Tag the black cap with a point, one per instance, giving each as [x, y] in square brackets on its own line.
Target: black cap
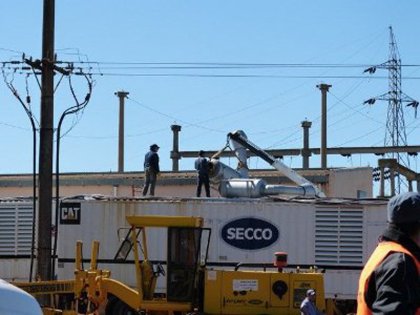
[404, 208]
[201, 153]
[154, 146]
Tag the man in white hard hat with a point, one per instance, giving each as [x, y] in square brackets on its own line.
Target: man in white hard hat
[308, 307]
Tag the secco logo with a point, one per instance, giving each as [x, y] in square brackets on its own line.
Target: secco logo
[250, 233]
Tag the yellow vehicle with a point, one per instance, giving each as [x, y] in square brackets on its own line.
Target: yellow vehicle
[191, 287]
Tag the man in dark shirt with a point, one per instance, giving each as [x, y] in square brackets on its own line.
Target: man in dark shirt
[151, 169]
[202, 166]
[390, 283]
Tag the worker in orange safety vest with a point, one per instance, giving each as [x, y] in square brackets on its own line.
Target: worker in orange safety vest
[390, 280]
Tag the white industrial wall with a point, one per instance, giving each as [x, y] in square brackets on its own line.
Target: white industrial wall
[15, 240]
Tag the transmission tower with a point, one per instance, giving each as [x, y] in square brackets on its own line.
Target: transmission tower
[395, 133]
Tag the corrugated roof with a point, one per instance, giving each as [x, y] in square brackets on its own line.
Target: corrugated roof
[285, 199]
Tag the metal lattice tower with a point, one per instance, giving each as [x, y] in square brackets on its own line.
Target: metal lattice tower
[395, 134]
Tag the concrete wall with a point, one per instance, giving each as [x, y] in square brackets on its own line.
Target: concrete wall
[334, 182]
[351, 182]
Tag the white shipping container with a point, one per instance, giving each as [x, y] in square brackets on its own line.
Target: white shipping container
[15, 239]
[332, 234]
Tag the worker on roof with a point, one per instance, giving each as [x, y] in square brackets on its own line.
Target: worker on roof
[389, 282]
[202, 166]
[151, 169]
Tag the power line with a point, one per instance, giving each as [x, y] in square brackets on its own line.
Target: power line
[174, 118]
[229, 64]
[14, 126]
[360, 137]
[126, 69]
[233, 75]
[355, 110]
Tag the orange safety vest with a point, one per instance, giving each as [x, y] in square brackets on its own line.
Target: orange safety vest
[379, 254]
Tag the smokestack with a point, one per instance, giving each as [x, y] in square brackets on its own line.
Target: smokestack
[175, 156]
[324, 89]
[306, 153]
[121, 95]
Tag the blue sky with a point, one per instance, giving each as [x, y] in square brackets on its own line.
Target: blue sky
[269, 103]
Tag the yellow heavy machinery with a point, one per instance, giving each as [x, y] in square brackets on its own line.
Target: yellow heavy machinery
[191, 287]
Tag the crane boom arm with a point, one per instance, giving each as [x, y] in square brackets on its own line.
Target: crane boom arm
[281, 167]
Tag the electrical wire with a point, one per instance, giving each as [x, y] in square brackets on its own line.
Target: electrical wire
[268, 76]
[230, 64]
[212, 66]
[355, 110]
[30, 115]
[187, 124]
[360, 137]
[14, 126]
[26, 107]
[80, 105]
[222, 65]
[329, 110]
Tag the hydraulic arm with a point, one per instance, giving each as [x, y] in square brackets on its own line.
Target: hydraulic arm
[240, 138]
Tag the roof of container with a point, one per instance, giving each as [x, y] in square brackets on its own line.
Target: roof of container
[271, 199]
[280, 199]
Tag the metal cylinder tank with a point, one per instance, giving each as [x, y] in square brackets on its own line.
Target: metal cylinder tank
[242, 187]
[219, 171]
[303, 190]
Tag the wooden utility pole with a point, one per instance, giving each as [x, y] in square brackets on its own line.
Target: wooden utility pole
[46, 143]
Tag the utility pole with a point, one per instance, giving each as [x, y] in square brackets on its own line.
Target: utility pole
[46, 143]
[121, 95]
[324, 89]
